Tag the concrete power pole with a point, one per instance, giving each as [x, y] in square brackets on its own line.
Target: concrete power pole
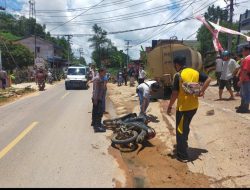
[128, 41]
[231, 12]
[32, 14]
[80, 52]
[69, 38]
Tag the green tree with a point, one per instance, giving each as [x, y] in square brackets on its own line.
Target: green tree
[79, 61]
[21, 55]
[98, 42]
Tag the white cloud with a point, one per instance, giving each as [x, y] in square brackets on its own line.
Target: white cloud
[182, 30]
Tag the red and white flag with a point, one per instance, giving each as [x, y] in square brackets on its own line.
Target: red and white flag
[228, 31]
[215, 33]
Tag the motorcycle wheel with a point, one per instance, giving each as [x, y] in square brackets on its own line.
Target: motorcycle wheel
[125, 148]
[118, 139]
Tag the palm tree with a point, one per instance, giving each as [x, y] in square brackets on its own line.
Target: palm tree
[98, 42]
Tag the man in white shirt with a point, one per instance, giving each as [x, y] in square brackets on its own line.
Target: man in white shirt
[228, 68]
[144, 91]
[218, 68]
[142, 75]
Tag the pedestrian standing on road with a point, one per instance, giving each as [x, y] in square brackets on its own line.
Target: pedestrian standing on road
[3, 78]
[229, 66]
[236, 79]
[144, 90]
[125, 75]
[119, 78]
[92, 72]
[218, 68]
[97, 98]
[244, 82]
[132, 76]
[105, 79]
[187, 104]
[142, 75]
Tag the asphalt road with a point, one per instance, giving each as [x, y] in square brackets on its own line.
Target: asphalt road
[46, 141]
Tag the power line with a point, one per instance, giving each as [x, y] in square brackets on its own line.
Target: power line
[175, 24]
[86, 8]
[131, 30]
[77, 16]
[113, 10]
[79, 9]
[191, 35]
[97, 13]
[127, 16]
[144, 28]
[172, 21]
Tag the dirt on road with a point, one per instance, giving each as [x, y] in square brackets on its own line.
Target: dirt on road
[152, 164]
[218, 144]
[18, 91]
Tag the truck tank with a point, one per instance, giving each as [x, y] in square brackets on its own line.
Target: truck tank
[160, 64]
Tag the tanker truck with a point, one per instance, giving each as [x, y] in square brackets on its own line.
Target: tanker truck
[160, 63]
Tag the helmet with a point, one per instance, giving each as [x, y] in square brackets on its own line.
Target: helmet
[225, 53]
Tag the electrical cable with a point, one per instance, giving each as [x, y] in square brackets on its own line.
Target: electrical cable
[168, 28]
[176, 23]
[127, 16]
[76, 16]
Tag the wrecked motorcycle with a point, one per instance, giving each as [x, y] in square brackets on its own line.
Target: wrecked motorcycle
[130, 129]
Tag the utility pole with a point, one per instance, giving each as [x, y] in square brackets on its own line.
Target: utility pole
[68, 39]
[127, 49]
[32, 15]
[32, 8]
[80, 50]
[231, 13]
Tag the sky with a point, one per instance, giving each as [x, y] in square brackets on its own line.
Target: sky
[120, 15]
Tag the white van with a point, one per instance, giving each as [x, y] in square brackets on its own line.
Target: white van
[76, 78]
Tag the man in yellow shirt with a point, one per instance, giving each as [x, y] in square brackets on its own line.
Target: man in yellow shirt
[187, 104]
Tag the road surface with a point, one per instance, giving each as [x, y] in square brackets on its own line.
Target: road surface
[46, 141]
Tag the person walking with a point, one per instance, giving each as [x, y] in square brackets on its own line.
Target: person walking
[244, 82]
[218, 69]
[229, 66]
[142, 75]
[3, 78]
[187, 104]
[143, 91]
[97, 98]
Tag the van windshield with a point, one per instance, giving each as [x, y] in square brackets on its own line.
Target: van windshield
[76, 71]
